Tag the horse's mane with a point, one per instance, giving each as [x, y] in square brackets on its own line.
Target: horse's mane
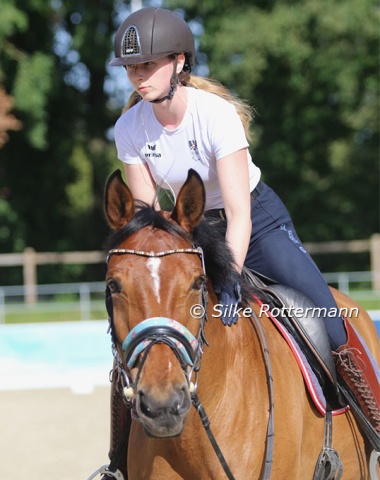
[219, 262]
[145, 216]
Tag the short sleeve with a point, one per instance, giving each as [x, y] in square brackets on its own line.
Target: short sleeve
[226, 130]
[127, 151]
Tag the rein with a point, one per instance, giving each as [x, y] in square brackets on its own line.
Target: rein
[188, 350]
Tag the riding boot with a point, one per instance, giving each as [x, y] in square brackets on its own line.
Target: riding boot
[354, 365]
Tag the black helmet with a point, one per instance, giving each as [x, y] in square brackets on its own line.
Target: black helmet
[152, 33]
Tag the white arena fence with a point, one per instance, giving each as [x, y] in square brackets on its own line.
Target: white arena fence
[85, 300]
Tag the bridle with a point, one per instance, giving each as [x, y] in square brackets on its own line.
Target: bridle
[187, 348]
[152, 331]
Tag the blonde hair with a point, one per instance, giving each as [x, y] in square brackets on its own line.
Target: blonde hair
[244, 111]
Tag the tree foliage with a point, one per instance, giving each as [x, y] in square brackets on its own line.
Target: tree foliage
[310, 69]
[52, 172]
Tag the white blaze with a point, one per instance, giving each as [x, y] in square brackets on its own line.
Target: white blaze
[154, 265]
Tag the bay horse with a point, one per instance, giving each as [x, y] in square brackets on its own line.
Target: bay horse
[161, 271]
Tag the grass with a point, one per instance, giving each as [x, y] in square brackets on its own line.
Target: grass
[43, 312]
[368, 304]
[44, 317]
[369, 300]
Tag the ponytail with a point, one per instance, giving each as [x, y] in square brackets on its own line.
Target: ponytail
[244, 111]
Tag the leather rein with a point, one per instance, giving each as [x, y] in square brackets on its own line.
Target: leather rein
[188, 351]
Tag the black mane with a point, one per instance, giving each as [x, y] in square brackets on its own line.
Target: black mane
[145, 216]
[219, 262]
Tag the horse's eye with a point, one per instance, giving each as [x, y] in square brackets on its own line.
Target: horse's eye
[113, 286]
[199, 282]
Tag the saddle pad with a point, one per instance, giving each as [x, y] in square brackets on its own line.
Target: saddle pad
[310, 379]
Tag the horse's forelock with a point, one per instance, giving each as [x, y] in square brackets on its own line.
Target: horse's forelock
[145, 217]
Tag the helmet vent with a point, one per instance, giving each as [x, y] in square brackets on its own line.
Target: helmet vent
[131, 42]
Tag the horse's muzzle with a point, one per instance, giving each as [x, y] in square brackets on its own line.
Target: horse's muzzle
[162, 413]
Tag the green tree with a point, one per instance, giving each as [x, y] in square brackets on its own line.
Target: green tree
[52, 172]
[310, 69]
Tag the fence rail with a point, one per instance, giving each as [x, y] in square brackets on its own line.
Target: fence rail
[30, 259]
[72, 300]
[85, 301]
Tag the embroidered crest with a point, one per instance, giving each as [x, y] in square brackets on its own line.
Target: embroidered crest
[194, 150]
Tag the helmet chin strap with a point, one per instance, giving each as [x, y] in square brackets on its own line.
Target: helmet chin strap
[173, 86]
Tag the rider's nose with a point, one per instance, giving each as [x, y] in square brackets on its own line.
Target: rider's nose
[137, 72]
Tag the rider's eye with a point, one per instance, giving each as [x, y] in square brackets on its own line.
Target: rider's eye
[114, 286]
[199, 282]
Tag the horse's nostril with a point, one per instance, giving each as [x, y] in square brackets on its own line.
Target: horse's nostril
[176, 408]
[181, 401]
[145, 409]
[176, 404]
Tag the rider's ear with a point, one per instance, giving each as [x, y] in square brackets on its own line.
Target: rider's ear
[190, 203]
[118, 201]
[180, 62]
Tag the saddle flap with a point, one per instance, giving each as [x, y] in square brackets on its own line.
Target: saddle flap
[310, 327]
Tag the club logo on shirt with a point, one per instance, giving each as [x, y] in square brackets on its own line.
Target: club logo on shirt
[152, 152]
[194, 150]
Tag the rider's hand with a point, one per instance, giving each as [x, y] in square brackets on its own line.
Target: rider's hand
[229, 299]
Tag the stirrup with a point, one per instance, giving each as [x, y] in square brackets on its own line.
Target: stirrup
[329, 465]
[103, 470]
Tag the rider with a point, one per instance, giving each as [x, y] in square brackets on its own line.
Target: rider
[174, 121]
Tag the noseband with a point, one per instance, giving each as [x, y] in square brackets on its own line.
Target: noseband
[160, 330]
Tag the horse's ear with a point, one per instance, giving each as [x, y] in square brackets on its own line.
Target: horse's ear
[118, 201]
[190, 203]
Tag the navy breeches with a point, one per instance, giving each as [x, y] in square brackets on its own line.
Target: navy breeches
[276, 252]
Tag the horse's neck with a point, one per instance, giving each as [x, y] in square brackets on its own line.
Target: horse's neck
[232, 357]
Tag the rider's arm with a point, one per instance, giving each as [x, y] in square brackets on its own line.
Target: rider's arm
[141, 183]
[234, 183]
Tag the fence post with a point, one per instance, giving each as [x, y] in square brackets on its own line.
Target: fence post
[375, 260]
[2, 306]
[30, 275]
[344, 283]
[85, 302]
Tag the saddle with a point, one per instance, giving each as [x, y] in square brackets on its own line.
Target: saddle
[308, 331]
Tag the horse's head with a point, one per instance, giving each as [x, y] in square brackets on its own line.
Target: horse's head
[155, 278]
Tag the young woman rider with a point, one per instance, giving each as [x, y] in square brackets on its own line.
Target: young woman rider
[174, 121]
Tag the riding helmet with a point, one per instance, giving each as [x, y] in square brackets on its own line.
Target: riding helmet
[151, 33]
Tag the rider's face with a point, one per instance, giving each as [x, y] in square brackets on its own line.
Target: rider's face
[151, 79]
